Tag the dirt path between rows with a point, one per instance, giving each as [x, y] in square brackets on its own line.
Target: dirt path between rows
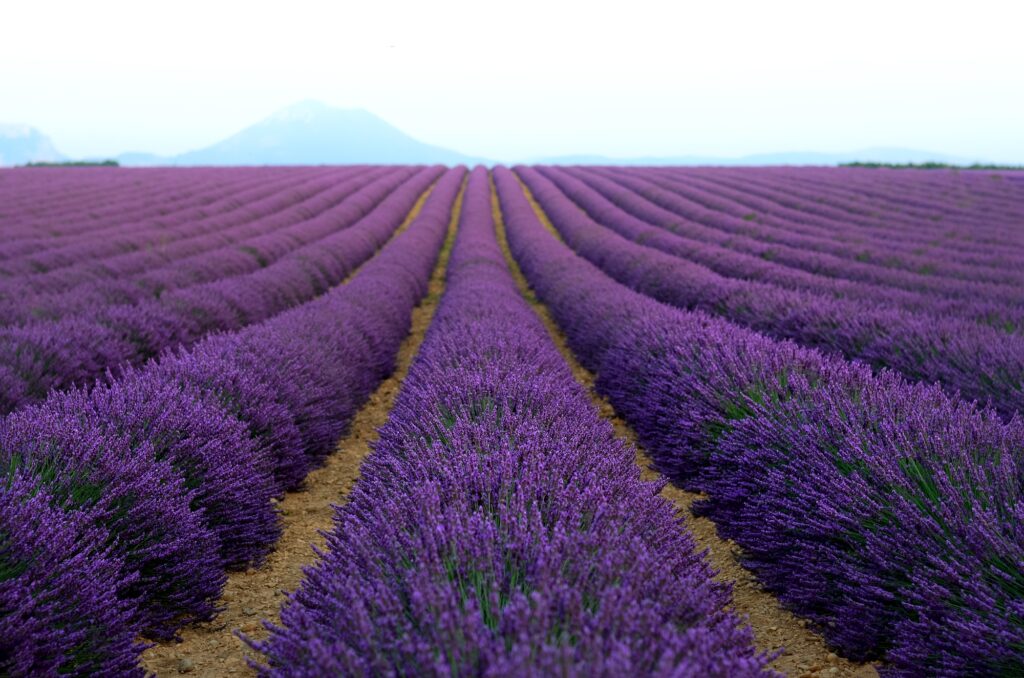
[805, 653]
[213, 649]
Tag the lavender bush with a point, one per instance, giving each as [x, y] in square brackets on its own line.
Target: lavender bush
[77, 349]
[980, 362]
[886, 512]
[889, 248]
[176, 462]
[59, 609]
[170, 556]
[498, 527]
[738, 256]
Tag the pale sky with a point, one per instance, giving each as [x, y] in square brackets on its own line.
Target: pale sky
[526, 78]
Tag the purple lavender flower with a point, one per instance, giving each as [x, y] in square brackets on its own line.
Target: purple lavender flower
[884, 511]
[59, 608]
[171, 564]
[499, 527]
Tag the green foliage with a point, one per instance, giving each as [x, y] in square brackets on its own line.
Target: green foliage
[929, 166]
[75, 163]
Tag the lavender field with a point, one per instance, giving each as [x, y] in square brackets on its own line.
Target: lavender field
[630, 421]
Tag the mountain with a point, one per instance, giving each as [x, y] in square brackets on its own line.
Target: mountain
[21, 144]
[880, 154]
[312, 133]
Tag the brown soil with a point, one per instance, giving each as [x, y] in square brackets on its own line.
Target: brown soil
[213, 649]
[804, 652]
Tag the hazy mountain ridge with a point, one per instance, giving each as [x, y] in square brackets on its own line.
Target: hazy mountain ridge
[312, 133]
[21, 144]
[880, 154]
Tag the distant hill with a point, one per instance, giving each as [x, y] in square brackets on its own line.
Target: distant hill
[312, 133]
[931, 165]
[21, 144]
[880, 155]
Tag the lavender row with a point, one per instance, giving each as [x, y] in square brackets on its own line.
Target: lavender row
[971, 194]
[124, 504]
[980, 362]
[498, 527]
[914, 253]
[38, 358]
[247, 241]
[21, 190]
[887, 513]
[189, 233]
[915, 203]
[828, 195]
[736, 264]
[870, 222]
[44, 256]
[29, 195]
[906, 241]
[57, 212]
[834, 260]
[864, 227]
